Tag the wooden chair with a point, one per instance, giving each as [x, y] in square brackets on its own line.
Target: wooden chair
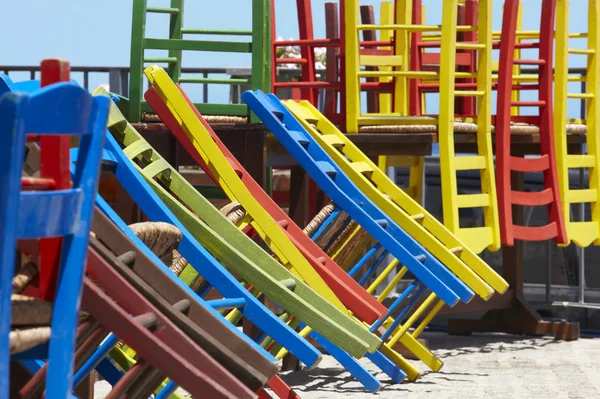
[291, 231]
[199, 319]
[582, 233]
[401, 120]
[546, 163]
[215, 220]
[309, 248]
[428, 271]
[258, 46]
[91, 333]
[60, 110]
[417, 222]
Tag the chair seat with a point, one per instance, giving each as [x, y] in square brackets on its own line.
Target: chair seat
[162, 239]
[211, 119]
[464, 127]
[31, 317]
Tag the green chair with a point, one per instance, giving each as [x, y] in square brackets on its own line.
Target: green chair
[258, 45]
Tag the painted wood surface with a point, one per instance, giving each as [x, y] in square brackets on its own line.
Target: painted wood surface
[257, 44]
[477, 238]
[266, 274]
[231, 183]
[60, 110]
[166, 347]
[546, 162]
[410, 215]
[328, 177]
[582, 233]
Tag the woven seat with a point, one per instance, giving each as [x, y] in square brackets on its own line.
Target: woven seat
[464, 127]
[163, 239]
[211, 119]
[31, 317]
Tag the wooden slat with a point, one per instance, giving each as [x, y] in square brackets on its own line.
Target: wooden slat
[580, 161]
[470, 162]
[472, 200]
[381, 60]
[532, 198]
[532, 165]
[582, 195]
[197, 45]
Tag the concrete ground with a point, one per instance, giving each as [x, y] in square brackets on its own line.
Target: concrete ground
[478, 366]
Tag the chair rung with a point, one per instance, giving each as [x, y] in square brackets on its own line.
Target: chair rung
[160, 60]
[333, 140]
[527, 103]
[232, 81]
[289, 283]
[470, 46]
[411, 27]
[327, 168]
[580, 95]
[159, 10]
[580, 161]
[532, 165]
[529, 62]
[535, 233]
[469, 162]
[382, 222]
[469, 93]
[201, 31]
[291, 61]
[578, 196]
[128, 258]
[472, 200]
[182, 306]
[413, 74]
[532, 198]
[148, 320]
[419, 217]
[380, 60]
[227, 303]
[299, 137]
[527, 45]
[581, 51]
[361, 167]
[37, 183]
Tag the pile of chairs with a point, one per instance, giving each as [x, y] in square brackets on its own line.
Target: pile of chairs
[396, 71]
[146, 324]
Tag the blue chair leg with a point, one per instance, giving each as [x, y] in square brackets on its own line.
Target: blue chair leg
[352, 365]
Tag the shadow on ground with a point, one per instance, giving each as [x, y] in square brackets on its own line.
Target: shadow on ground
[337, 379]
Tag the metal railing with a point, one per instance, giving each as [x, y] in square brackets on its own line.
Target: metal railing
[118, 77]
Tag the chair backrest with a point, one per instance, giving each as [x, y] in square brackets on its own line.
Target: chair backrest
[247, 260]
[254, 192]
[510, 196]
[66, 110]
[341, 190]
[581, 230]
[419, 223]
[258, 45]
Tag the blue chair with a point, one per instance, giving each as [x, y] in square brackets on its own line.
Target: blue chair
[59, 109]
[390, 238]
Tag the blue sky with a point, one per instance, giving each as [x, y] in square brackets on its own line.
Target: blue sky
[98, 33]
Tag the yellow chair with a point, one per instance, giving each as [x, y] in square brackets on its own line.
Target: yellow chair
[476, 238]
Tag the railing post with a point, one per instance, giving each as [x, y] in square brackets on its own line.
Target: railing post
[115, 76]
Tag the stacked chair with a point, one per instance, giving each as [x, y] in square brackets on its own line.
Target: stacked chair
[173, 331]
[156, 306]
[176, 111]
[256, 44]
